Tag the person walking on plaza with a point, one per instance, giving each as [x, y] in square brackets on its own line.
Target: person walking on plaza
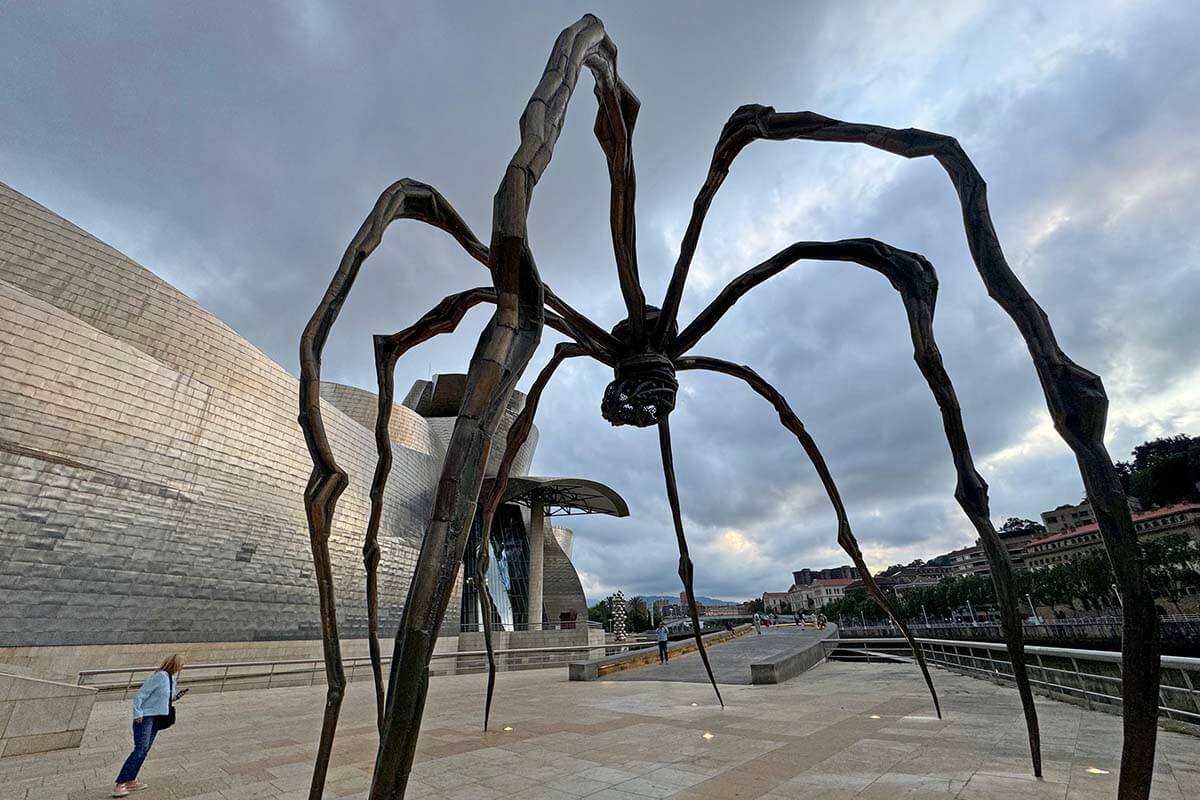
[757, 624]
[152, 708]
[663, 638]
[822, 621]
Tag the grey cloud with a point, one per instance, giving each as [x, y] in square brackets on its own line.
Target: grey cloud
[235, 148]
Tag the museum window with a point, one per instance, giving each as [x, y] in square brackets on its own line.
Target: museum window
[508, 573]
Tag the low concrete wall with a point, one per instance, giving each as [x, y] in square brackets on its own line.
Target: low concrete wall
[785, 667]
[37, 715]
[581, 636]
[596, 668]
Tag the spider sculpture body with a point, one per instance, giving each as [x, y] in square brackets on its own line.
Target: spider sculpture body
[646, 350]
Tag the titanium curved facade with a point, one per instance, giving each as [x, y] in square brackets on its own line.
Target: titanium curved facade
[152, 470]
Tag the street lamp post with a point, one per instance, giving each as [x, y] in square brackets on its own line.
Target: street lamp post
[972, 612]
[1032, 610]
[925, 614]
[1120, 602]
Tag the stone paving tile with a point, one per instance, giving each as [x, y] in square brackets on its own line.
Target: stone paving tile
[841, 731]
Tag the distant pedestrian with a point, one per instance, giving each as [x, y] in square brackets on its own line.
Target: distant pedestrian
[663, 638]
[757, 624]
[152, 708]
[797, 620]
[822, 621]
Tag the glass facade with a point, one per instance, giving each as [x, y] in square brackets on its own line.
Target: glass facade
[508, 573]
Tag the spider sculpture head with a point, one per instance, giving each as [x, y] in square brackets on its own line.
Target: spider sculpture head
[642, 392]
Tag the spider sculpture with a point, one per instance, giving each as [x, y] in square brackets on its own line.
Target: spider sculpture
[646, 351]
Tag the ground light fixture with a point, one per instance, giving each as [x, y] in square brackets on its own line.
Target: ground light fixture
[508, 727]
[875, 716]
[1096, 771]
[707, 735]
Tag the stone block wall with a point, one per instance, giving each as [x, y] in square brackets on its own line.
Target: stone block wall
[37, 716]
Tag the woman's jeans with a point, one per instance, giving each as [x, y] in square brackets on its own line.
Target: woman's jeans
[143, 737]
[662, 652]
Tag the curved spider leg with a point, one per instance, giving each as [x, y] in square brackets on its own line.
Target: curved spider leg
[601, 344]
[685, 561]
[846, 538]
[1074, 397]
[405, 199]
[517, 436]
[915, 280]
[615, 118]
[502, 354]
[442, 318]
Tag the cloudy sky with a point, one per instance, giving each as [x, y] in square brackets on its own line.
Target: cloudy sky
[234, 149]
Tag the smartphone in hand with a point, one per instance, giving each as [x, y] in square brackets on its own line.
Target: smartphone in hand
[181, 693]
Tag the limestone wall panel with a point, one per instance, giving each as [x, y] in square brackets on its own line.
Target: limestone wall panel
[151, 468]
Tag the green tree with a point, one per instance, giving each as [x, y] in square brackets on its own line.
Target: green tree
[1163, 471]
[601, 613]
[1016, 526]
[637, 615]
[1171, 565]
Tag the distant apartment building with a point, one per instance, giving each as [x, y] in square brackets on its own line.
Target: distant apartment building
[665, 609]
[820, 593]
[968, 561]
[1157, 522]
[916, 576]
[777, 602]
[719, 611]
[803, 577]
[973, 560]
[1067, 517]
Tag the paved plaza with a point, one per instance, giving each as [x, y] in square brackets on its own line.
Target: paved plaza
[840, 731]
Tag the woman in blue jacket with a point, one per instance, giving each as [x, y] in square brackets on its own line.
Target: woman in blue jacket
[153, 701]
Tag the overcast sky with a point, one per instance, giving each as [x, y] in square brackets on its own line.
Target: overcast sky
[235, 148]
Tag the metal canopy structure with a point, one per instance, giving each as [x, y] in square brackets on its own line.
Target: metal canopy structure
[563, 497]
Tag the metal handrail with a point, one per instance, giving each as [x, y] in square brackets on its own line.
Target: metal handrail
[233, 673]
[978, 658]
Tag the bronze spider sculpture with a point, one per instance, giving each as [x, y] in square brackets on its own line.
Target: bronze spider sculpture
[645, 351]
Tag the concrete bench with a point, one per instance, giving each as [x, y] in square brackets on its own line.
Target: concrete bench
[785, 667]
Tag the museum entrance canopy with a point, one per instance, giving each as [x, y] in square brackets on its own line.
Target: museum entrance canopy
[562, 496]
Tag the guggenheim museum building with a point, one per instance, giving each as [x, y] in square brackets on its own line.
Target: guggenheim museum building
[152, 475]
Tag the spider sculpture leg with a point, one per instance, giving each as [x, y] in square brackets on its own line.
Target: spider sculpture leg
[916, 281]
[686, 571]
[1074, 396]
[518, 434]
[846, 538]
[405, 199]
[443, 318]
[504, 350]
